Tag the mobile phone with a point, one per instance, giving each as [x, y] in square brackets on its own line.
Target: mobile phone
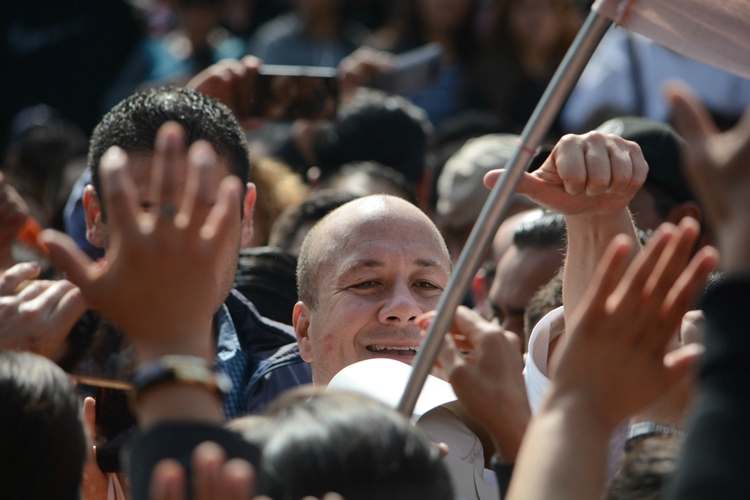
[292, 92]
[413, 70]
[114, 425]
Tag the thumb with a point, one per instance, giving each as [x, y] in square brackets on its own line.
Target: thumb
[68, 257]
[529, 185]
[89, 417]
[691, 118]
[680, 362]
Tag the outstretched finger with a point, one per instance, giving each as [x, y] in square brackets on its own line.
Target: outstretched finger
[17, 274]
[628, 296]
[119, 195]
[225, 213]
[169, 165]
[692, 120]
[168, 481]
[200, 190]
[690, 285]
[238, 477]
[207, 461]
[673, 261]
[68, 257]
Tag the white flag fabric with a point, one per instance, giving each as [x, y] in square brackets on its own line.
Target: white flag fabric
[714, 32]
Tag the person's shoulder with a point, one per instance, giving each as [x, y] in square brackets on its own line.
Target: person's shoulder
[283, 370]
[254, 332]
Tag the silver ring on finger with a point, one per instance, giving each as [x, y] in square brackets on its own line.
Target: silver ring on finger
[168, 210]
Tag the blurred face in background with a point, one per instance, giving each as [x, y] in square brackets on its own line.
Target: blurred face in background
[444, 15]
[534, 23]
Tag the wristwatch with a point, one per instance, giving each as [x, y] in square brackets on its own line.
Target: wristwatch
[183, 369]
[651, 428]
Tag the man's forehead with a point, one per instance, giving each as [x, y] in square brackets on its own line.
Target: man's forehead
[141, 165]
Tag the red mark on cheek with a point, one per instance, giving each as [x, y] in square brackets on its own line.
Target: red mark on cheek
[327, 340]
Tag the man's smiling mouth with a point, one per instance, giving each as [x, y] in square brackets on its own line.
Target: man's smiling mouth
[393, 350]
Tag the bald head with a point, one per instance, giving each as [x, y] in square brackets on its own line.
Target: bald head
[361, 222]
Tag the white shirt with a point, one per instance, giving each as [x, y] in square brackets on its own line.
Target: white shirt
[535, 374]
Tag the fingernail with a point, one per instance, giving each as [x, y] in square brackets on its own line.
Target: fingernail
[34, 264]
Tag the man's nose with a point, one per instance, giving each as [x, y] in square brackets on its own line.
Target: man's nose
[401, 306]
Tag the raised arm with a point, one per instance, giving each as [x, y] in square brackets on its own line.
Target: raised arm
[590, 179]
[613, 363]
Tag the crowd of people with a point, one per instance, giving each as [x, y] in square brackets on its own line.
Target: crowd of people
[198, 302]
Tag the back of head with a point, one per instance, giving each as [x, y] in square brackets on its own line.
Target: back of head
[549, 230]
[285, 230]
[370, 177]
[317, 442]
[42, 439]
[374, 126]
[134, 122]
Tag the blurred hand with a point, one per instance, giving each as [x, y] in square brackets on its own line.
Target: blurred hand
[95, 484]
[39, 317]
[716, 166]
[362, 65]
[13, 214]
[592, 173]
[488, 382]
[214, 478]
[613, 363]
[232, 82]
[159, 280]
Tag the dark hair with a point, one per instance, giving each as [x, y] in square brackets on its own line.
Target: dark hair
[134, 122]
[548, 230]
[317, 205]
[266, 276]
[42, 436]
[648, 464]
[374, 126]
[546, 299]
[373, 169]
[316, 442]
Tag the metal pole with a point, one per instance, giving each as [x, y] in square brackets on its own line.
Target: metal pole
[489, 219]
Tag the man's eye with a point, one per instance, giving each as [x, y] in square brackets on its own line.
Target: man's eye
[364, 284]
[427, 285]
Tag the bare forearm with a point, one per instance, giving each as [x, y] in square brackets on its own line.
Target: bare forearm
[563, 456]
[588, 237]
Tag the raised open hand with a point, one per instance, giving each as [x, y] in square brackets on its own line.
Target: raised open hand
[614, 363]
[164, 275]
[718, 168]
[593, 173]
[488, 382]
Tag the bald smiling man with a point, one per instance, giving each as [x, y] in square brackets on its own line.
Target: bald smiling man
[365, 273]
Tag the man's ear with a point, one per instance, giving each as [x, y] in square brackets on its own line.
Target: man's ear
[247, 221]
[93, 210]
[301, 321]
[479, 288]
[685, 209]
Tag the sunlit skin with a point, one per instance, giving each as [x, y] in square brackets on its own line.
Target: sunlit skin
[382, 265]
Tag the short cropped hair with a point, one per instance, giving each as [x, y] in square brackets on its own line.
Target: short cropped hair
[373, 126]
[546, 231]
[42, 438]
[315, 442]
[134, 123]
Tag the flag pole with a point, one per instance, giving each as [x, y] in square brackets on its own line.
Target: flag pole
[487, 224]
